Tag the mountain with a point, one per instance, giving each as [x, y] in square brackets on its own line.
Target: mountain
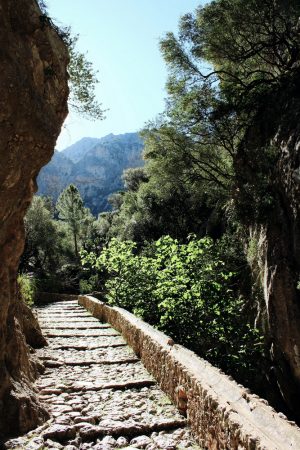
[53, 177]
[76, 151]
[95, 166]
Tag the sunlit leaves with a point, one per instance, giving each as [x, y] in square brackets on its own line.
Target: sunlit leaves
[184, 290]
[82, 76]
[83, 81]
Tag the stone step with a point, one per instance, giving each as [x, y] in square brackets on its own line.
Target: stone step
[97, 391]
[77, 326]
[60, 306]
[117, 412]
[62, 310]
[79, 333]
[86, 362]
[69, 377]
[89, 347]
[60, 320]
[170, 435]
[66, 310]
[91, 342]
[62, 303]
[127, 429]
[134, 384]
[62, 315]
[90, 354]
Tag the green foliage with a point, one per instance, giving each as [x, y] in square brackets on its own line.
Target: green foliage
[82, 81]
[133, 178]
[250, 46]
[26, 288]
[82, 77]
[228, 61]
[174, 193]
[186, 291]
[90, 285]
[70, 209]
[116, 200]
[64, 279]
[44, 242]
[257, 197]
[49, 252]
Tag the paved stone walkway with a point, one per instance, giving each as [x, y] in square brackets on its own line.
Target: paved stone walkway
[98, 393]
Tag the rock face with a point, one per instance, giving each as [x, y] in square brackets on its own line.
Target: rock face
[273, 190]
[33, 99]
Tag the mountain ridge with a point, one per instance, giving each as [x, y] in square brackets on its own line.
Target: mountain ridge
[94, 165]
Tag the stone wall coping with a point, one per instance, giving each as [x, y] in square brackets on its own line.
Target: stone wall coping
[222, 413]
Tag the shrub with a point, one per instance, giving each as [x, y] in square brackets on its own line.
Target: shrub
[185, 291]
[27, 288]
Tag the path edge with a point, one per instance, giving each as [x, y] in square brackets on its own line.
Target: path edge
[221, 413]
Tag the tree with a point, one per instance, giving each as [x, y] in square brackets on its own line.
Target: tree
[71, 209]
[43, 242]
[229, 137]
[82, 82]
[133, 177]
[234, 86]
[82, 77]
[236, 48]
[48, 256]
[182, 187]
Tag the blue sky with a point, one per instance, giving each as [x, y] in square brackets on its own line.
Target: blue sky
[121, 39]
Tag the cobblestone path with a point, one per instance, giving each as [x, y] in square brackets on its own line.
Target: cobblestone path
[98, 393]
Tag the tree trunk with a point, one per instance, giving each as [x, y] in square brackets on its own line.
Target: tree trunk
[75, 244]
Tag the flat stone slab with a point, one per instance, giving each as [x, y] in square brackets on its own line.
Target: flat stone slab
[61, 320]
[81, 333]
[91, 342]
[86, 362]
[96, 355]
[60, 315]
[48, 326]
[96, 375]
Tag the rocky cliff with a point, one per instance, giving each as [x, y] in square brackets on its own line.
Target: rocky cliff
[268, 194]
[95, 166]
[33, 105]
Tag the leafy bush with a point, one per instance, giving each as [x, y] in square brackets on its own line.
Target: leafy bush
[65, 280]
[90, 285]
[185, 291]
[26, 288]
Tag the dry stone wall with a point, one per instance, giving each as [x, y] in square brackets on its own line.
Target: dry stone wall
[221, 413]
[33, 105]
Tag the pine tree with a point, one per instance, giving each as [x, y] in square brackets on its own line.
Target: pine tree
[71, 209]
